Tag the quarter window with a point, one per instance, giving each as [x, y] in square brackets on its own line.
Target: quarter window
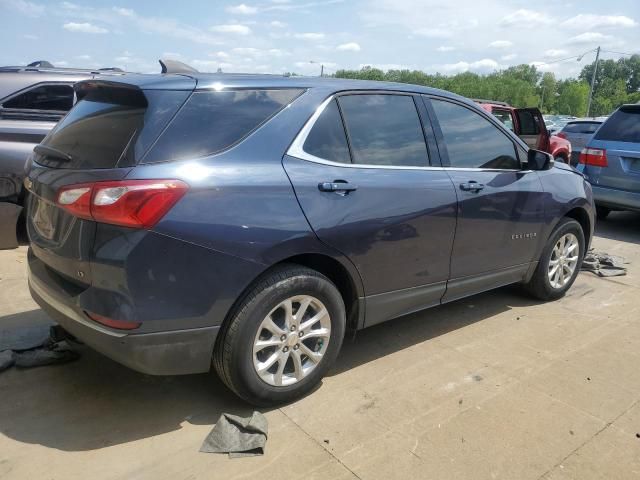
[327, 139]
[211, 122]
[471, 140]
[384, 130]
[44, 97]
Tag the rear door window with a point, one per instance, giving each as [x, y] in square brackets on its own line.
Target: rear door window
[622, 126]
[505, 117]
[54, 97]
[384, 129]
[212, 121]
[327, 139]
[471, 140]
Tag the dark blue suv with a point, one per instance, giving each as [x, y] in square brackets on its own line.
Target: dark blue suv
[248, 222]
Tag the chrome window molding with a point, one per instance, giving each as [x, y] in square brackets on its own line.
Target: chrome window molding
[296, 149]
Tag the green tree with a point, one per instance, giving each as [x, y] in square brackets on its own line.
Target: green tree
[572, 98]
[548, 91]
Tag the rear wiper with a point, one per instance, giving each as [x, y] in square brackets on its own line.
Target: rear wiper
[52, 152]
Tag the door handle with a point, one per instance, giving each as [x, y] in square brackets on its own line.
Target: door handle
[337, 186]
[471, 186]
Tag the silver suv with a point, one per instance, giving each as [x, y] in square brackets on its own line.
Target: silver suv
[32, 100]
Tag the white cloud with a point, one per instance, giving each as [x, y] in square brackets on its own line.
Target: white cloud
[83, 57]
[436, 32]
[445, 48]
[589, 37]
[350, 47]
[219, 54]
[555, 53]
[84, 28]
[277, 24]
[29, 36]
[242, 9]
[310, 36]
[526, 18]
[501, 44]
[590, 22]
[232, 28]
[125, 12]
[26, 8]
[486, 65]
[508, 57]
[245, 51]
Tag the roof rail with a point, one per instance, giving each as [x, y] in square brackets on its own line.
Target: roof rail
[175, 66]
[494, 102]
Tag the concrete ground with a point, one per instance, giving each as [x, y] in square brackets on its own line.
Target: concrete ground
[494, 386]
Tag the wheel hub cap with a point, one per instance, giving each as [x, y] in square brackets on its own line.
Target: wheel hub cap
[291, 340]
[564, 260]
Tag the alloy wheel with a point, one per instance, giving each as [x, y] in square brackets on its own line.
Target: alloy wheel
[564, 260]
[291, 340]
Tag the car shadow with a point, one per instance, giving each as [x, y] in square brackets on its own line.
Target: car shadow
[388, 337]
[95, 402]
[620, 226]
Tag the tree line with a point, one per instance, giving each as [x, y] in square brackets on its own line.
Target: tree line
[616, 82]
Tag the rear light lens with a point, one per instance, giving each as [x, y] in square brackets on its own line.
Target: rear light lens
[112, 323]
[561, 135]
[596, 157]
[130, 203]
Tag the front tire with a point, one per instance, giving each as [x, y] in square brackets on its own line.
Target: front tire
[559, 263]
[283, 336]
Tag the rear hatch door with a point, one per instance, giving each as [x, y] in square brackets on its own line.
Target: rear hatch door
[620, 137]
[102, 138]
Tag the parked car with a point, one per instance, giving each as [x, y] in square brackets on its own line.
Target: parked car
[529, 125]
[249, 221]
[578, 132]
[611, 162]
[32, 100]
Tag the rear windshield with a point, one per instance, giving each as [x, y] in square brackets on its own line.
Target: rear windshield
[622, 126]
[581, 127]
[111, 127]
[213, 121]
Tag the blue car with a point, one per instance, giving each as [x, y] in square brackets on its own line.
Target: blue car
[611, 162]
[247, 222]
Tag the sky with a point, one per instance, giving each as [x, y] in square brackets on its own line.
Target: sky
[277, 36]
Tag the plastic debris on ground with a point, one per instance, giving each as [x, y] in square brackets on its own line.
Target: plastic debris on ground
[237, 436]
[603, 264]
[33, 347]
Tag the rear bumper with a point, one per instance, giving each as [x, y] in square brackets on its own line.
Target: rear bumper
[610, 197]
[173, 352]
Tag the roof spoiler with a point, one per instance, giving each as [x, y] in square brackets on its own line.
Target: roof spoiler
[174, 66]
[41, 64]
[493, 102]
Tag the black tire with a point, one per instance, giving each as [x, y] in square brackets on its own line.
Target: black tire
[233, 353]
[602, 212]
[540, 286]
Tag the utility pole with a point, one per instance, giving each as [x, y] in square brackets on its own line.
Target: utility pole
[593, 81]
[321, 70]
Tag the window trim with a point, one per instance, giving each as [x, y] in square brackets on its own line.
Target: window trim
[296, 149]
[32, 112]
[442, 146]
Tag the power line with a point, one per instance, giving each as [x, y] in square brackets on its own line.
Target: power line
[620, 53]
[565, 59]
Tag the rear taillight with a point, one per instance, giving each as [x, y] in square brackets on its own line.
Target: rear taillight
[561, 135]
[130, 203]
[596, 157]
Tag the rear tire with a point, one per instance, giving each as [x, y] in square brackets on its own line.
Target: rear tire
[602, 212]
[267, 353]
[559, 263]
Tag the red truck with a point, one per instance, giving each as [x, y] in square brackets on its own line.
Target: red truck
[529, 125]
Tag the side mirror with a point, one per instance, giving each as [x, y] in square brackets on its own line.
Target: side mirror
[537, 160]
